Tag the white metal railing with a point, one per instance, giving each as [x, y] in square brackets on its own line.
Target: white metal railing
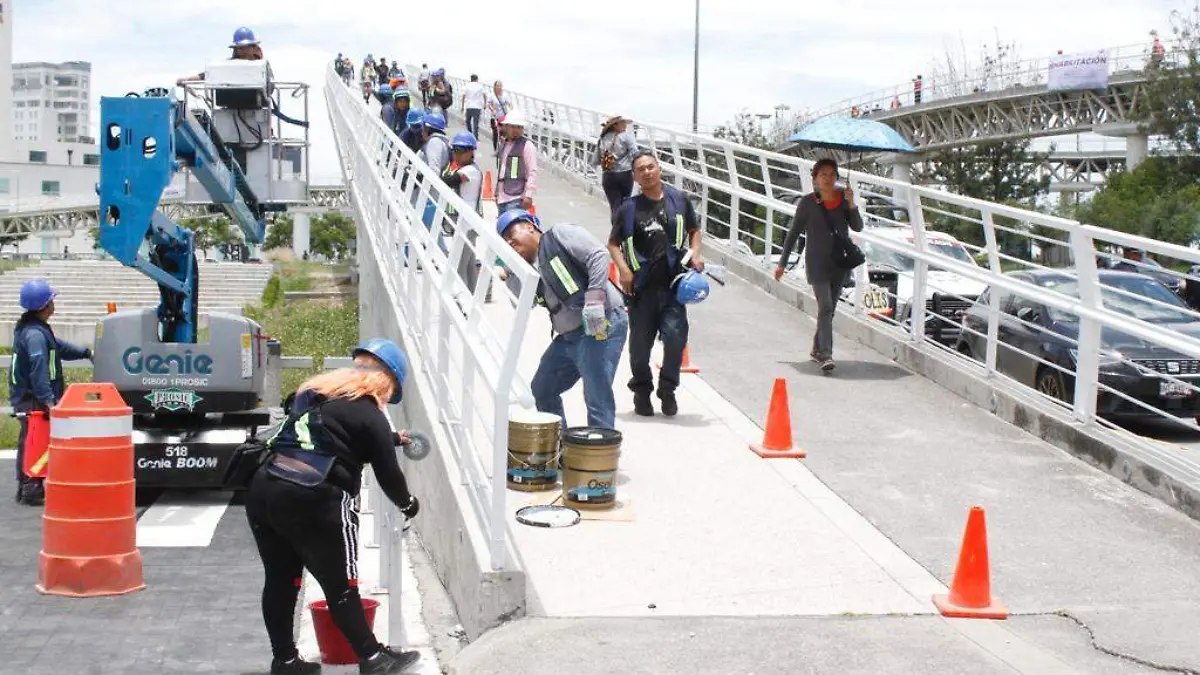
[1027, 73]
[469, 363]
[745, 197]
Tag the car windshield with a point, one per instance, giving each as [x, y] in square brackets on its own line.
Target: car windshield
[888, 258]
[1166, 308]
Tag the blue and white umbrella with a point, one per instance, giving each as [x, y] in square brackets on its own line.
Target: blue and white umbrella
[853, 134]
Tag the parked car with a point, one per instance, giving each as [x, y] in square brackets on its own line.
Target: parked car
[890, 274]
[1032, 335]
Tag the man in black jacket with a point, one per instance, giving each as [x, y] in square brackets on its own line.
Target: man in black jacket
[821, 218]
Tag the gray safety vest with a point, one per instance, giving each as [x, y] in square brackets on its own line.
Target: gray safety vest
[514, 172]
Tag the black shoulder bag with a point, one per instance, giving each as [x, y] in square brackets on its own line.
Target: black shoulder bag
[249, 457]
[846, 254]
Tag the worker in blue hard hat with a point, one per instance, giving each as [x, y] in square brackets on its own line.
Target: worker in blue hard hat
[302, 504]
[414, 133]
[36, 373]
[395, 112]
[435, 147]
[245, 46]
[465, 177]
[586, 312]
[655, 239]
[441, 92]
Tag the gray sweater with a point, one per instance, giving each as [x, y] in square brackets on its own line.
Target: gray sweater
[817, 246]
[623, 146]
[592, 256]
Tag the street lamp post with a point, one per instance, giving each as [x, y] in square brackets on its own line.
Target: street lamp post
[696, 75]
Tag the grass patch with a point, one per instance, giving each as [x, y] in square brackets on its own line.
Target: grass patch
[309, 329]
[10, 265]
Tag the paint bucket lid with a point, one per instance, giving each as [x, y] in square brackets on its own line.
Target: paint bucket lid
[593, 436]
[548, 515]
[532, 417]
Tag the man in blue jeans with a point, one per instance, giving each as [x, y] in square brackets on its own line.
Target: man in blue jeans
[586, 312]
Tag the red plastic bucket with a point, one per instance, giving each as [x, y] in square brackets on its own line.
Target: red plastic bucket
[335, 650]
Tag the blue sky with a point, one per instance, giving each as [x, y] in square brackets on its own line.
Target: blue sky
[629, 56]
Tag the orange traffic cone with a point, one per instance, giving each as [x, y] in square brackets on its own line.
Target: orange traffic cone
[489, 192]
[971, 589]
[687, 366]
[777, 439]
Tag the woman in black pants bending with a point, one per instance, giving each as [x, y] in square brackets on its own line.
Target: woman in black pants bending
[303, 503]
[614, 155]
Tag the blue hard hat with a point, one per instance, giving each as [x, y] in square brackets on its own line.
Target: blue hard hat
[36, 294]
[434, 121]
[400, 93]
[384, 90]
[691, 288]
[440, 72]
[464, 139]
[392, 357]
[243, 37]
[414, 117]
[510, 218]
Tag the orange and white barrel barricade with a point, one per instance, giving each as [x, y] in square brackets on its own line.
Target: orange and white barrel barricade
[89, 528]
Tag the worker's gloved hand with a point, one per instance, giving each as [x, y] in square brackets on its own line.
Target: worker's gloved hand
[594, 319]
[453, 180]
[412, 508]
[87, 353]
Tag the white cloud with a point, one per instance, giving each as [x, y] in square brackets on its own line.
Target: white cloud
[633, 56]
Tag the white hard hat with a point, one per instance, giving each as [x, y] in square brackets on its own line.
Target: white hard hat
[514, 119]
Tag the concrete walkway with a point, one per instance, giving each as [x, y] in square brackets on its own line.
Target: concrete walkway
[731, 563]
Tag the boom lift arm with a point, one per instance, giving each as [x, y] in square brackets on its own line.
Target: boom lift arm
[145, 142]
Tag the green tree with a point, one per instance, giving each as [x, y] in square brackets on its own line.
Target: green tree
[1171, 98]
[279, 233]
[1005, 172]
[210, 233]
[1160, 199]
[12, 239]
[744, 129]
[331, 235]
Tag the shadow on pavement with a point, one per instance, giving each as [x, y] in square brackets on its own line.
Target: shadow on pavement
[852, 370]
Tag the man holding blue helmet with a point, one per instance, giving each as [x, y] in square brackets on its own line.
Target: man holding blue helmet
[655, 240]
[586, 312]
[36, 373]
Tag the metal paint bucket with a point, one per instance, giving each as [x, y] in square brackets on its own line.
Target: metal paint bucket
[533, 449]
[590, 459]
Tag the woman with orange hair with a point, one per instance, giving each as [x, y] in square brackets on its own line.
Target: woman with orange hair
[303, 503]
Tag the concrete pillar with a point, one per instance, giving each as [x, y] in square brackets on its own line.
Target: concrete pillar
[301, 233]
[902, 168]
[1137, 146]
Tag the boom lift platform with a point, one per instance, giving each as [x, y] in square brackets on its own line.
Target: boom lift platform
[194, 401]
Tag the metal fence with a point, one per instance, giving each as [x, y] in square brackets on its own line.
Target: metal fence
[1021, 294]
[428, 258]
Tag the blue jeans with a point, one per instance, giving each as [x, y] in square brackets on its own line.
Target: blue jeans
[574, 356]
[508, 206]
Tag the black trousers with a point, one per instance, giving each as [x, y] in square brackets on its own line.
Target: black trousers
[24, 422]
[495, 136]
[473, 115]
[316, 528]
[617, 186]
[654, 312]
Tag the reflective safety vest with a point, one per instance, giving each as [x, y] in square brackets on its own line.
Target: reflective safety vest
[302, 451]
[20, 383]
[676, 207]
[562, 273]
[514, 172]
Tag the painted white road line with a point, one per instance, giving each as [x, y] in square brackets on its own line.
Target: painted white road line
[182, 519]
[8, 454]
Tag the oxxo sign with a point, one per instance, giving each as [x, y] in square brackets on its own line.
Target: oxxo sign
[172, 364]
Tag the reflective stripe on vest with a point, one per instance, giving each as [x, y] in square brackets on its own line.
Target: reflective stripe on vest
[53, 365]
[564, 277]
[12, 370]
[631, 255]
[303, 434]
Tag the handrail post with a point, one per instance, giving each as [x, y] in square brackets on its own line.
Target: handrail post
[1087, 364]
[994, 264]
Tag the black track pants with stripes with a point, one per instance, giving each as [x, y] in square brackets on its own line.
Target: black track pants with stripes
[314, 528]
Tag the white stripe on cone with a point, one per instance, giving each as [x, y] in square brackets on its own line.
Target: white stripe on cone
[91, 427]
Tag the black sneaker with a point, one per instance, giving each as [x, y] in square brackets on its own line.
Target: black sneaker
[642, 405]
[388, 660]
[670, 407]
[33, 494]
[297, 666]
